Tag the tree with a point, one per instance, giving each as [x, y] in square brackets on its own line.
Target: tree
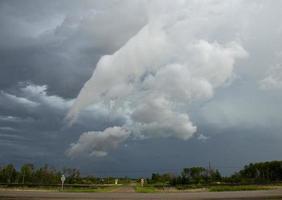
[72, 175]
[215, 175]
[261, 172]
[194, 174]
[161, 178]
[8, 174]
[26, 173]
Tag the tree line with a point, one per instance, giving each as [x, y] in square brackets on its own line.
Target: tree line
[262, 172]
[193, 175]
[28, 174]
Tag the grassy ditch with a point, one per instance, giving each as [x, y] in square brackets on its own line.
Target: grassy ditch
[57, 188]
[98, 189]
[224, 188]
[145, 189]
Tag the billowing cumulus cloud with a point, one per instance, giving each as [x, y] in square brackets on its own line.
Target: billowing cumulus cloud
[166, 66]
[99, 142]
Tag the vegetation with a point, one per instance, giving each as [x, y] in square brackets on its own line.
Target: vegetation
[29, 175]
[98, 189]
[254, 176]
[145, 189]
[196, 175]
[263, 172]
[222, 188]
[160, 179]
[253, 173]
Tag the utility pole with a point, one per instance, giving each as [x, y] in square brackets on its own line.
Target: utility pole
[209, 168]
[23, 177]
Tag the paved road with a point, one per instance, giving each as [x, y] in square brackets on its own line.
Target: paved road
[29, 195]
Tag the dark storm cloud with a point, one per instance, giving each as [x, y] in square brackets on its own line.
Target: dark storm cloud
[55, 45]
[59, 43]
[48, 49]
[32, 125]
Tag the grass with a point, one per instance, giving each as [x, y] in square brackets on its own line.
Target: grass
[222, 188]
[217, 188]
[187, 187]
[99, 189]
[67, 189]
[145, 189]
[154, 188]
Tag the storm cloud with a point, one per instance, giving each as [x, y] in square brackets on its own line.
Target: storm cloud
[162, 69]
[138, 78]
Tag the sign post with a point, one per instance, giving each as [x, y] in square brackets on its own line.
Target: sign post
[63, 178]
[142, 182]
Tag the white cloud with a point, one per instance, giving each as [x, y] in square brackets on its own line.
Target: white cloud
[98, 143]
[35, 96]
[273, 80]
[154, 117]
[39, 93]
[202, 137]
[168, 64]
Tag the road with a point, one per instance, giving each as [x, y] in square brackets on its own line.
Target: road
[36, 195]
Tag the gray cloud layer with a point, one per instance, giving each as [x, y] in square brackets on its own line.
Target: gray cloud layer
[49, 49]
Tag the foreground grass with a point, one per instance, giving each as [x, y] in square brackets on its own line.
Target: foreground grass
[219, 188]
[153, 188]
[223, 188]
[146, 189]
[66, 189]
[99, 189]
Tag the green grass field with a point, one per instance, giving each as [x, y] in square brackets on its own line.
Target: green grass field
[152, 188]
[146, 189]
[102, 189]
[66, 189]
[222, 188]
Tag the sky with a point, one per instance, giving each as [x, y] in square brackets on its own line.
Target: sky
[132, 87]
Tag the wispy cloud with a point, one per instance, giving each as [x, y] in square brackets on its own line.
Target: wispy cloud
[19, 100]
[273, 79]
[7, 128]
[32, 96]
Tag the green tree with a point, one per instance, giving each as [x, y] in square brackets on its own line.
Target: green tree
[215, 175]
[72, 175]
[194, 174]
[8, 174]
[26, 173]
